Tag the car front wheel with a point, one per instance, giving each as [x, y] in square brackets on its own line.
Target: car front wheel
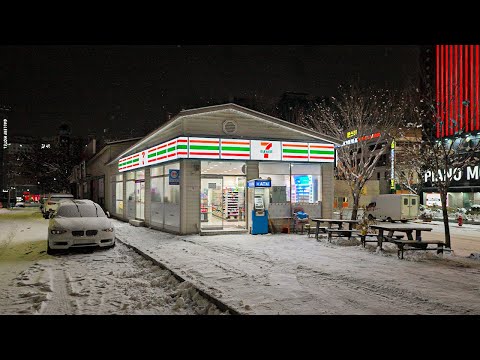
[51, 251]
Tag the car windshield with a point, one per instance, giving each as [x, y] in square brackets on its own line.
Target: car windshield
[80, 210]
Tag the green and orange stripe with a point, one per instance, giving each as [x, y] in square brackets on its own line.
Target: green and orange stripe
[322, 152]
[204, 148]
[235, 149]
[294, 151]
[129, 162]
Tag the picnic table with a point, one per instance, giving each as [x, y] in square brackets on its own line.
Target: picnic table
[410, 243]
[339, 230]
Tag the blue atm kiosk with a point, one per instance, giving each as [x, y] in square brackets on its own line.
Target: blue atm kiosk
[258, 201]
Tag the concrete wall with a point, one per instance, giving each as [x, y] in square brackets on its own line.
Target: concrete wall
[371, 190]
[327, 190]
[190, 196]
[148, 198]
[247, 126]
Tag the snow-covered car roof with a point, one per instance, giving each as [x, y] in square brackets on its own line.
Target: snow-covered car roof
[79, 208]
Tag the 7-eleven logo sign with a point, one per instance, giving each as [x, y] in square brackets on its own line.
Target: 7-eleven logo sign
[267, 149]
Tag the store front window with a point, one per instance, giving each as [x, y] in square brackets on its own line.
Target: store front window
[222, 195]
[165, 198]
[156, 195]
[140, 194]
[117, 192]
[293, 185]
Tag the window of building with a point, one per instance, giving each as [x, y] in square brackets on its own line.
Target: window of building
[165, 198]
[156, 171]
[140, 175]
[119, 198]
[293, 183]
[378, 176]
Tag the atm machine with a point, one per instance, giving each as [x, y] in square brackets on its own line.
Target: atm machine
[258, 202]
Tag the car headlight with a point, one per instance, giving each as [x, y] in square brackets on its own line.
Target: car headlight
[57, 232]
[108, 229]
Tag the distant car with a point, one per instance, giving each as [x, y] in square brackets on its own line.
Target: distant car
[51, 204]
[20, 204]
[79, 223]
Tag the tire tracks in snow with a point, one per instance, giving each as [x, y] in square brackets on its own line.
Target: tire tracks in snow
[356, 293]
[60, 302]
[9, 238]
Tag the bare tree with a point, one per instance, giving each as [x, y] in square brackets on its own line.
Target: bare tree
[442, 158]
[409, 167]
[374, 118]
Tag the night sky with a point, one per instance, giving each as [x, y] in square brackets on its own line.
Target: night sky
[88, 86]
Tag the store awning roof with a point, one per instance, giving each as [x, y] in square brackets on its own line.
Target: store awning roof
[222, 109]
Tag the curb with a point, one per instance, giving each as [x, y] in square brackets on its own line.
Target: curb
[221, 305]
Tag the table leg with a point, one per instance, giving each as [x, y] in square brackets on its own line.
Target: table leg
[418, 235]
[317, 229]
[380, 238]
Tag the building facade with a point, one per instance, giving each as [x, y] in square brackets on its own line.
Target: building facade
[88, 178]
[454, 70]
[190, 175]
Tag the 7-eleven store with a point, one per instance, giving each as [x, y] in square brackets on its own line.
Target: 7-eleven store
[190, 175]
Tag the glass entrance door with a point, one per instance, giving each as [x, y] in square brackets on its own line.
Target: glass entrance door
[211, 204]
[140, 200]
[222, 202]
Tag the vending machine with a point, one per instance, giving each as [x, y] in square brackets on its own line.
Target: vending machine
[258, 202]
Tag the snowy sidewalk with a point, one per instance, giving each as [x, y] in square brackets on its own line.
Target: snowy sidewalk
[294, 274]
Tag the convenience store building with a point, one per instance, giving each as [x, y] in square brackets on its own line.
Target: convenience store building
[190, 175]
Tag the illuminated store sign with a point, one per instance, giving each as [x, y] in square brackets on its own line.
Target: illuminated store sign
[392, 165]
[5, 138]
[469, 173]
[228, 149]
[265, 150]
[259, 183]
[361, 138]
[351, 134]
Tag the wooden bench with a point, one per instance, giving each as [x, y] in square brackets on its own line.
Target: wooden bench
[374, 238]
[340, 233]
[411, 245]
[321, 229]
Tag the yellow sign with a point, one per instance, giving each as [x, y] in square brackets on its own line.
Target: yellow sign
[392, 184]
[351, 134]
[393, 144]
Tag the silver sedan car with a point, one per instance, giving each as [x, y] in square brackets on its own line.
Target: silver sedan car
[79, 223]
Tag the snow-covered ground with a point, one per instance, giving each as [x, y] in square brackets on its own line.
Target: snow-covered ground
[262, 274]
[113, 281]
[294, 274]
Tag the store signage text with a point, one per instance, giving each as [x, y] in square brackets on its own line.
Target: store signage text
[361, 138]
[265, 150]
[217, 148]
[392, 165]
[472, 173]
[5, 133]
[174, 177]
[351, 134]
[259, 183]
